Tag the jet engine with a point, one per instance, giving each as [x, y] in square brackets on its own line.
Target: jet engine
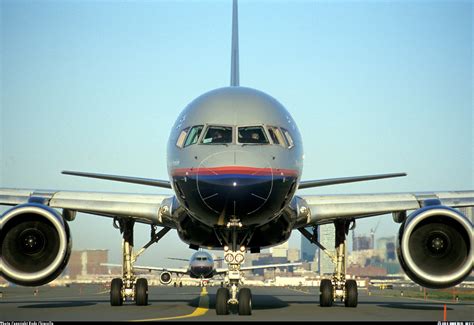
[165, 277]
[35, 244]
[435, 246]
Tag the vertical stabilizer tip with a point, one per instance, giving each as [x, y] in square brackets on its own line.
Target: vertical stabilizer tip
[234, 72]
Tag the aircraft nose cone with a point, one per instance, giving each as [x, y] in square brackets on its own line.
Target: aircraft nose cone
[234, 182]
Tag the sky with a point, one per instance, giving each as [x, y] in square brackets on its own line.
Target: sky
[374, 86]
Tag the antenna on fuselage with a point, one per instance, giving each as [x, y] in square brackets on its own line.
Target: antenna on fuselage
[234, 69]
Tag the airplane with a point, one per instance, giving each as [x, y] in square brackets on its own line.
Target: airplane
[201, 266]
[235, 160]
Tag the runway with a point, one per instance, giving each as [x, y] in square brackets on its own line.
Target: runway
[91, 302]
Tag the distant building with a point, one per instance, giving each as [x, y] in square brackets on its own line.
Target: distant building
[219, 261]
[87, 262]
[468, 212]
[392, 267]
[360, 243]
[280, 250]
[268, 259]
[386, 247]
[358, 270]
[360, 257]
[327, 238]
[308, 250]
[293, 254]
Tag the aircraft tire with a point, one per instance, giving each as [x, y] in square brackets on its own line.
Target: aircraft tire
[245, 302]
[351, 293]
[326, 293]
[141, 292]
[116, 298]
[222, 296]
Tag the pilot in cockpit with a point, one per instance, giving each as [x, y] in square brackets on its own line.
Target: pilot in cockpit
[217, 137]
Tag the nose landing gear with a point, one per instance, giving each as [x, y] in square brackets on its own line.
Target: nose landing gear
[231, 295]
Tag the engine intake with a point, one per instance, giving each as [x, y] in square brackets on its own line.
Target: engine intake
[435, 247]
[35, 244]
[165, 277]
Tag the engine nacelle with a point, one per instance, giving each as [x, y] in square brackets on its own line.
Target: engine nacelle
[435, 246]
[165, 277]
[35, 244]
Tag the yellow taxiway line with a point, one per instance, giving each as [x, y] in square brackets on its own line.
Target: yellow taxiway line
[199, 311]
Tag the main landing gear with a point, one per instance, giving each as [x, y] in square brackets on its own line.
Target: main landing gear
[129, 287]
[338, 287]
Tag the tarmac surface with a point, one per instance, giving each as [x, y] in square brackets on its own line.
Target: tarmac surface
[91, 302]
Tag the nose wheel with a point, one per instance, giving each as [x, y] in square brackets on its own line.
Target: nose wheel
[222, 298]
[229, 294]
[245, 302]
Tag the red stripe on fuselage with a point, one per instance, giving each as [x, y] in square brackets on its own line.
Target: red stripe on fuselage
[230, 170]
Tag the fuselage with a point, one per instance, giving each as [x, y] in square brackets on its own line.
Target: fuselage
[201, 265]
[235, 153]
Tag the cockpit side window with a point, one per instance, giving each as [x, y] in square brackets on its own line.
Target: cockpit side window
[218, 134]
[252, 134]
[193, 135]
[288, 137]
[181, 137]
[277, 136]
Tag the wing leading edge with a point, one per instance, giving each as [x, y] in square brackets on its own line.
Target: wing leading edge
[125, 179]
[343, 180]
[152, 268]
[144, 208]
[322, 209]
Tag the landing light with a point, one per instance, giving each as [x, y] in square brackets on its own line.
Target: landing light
[234, 183]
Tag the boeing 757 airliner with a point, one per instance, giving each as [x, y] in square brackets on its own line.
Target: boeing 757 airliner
[235, 158]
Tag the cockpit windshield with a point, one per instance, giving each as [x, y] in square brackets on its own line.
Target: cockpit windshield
[218, 134]
[193, 135]
[252, 134]
[277, 136]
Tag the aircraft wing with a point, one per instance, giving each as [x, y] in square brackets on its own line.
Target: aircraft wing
[152, 268]
[178, 259]
[145, 208]
[322, 209]
[257, 267]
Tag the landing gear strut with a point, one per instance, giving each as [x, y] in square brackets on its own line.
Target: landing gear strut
[338, 288]
[129, 287]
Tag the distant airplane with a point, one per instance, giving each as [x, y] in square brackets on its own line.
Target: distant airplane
[201, 266]
[235, 160]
